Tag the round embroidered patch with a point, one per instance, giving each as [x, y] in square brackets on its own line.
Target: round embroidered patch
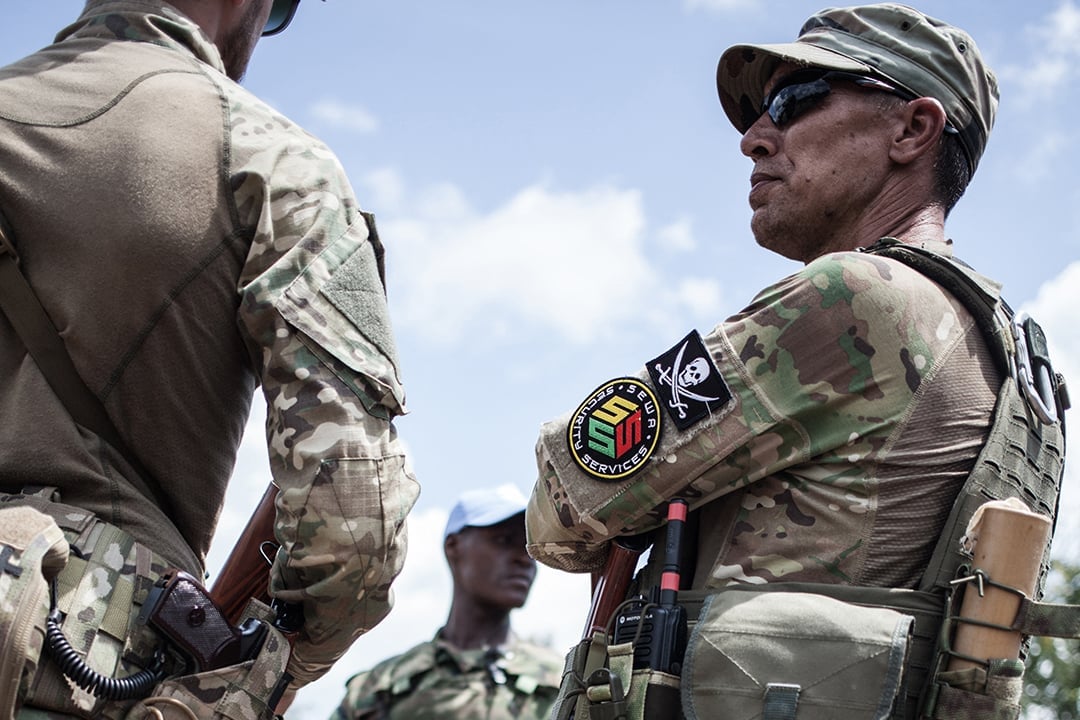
[615, 431]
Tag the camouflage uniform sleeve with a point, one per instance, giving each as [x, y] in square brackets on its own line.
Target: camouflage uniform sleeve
[313, 312]
[821, 365]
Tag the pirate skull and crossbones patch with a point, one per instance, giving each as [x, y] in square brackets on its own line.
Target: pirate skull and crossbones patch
[615, 431]
[688, 382]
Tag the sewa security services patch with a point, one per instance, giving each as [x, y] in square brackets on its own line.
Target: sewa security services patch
[615, 431]
[686, 377]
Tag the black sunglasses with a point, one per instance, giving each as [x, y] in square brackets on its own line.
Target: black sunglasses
[803, 90]
[281, 14]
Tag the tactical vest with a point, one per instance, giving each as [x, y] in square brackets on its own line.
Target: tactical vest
[1023, 457]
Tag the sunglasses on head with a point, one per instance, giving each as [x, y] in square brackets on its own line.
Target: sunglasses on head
[281, 14]
[804, 90]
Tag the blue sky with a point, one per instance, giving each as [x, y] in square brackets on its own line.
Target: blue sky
[562, 198]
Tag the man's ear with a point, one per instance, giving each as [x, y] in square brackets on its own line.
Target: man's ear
[452, 548]
[924, 122]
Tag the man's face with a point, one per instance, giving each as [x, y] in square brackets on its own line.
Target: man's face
[816, 178]
[491, 565]
[239, 43]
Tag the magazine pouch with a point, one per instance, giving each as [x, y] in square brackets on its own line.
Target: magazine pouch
[794, 655]
[32, 551]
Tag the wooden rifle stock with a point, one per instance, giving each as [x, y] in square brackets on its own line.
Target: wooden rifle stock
[612, 583]
[246, 574]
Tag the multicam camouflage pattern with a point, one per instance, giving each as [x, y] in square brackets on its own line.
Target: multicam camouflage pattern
[436, 680]
[256, 266]
[103, 582]
[32, 548]
[863, 393]
[237, 692]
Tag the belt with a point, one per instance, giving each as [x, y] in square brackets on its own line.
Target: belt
[100, 592]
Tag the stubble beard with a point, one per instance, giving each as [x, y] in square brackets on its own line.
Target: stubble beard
[785, 236]
[238, 46]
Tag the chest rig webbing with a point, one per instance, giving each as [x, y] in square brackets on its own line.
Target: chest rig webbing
[1023, 457]
[1024, 453]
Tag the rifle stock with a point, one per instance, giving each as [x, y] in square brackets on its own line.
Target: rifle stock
[245, 574]
[612, 583]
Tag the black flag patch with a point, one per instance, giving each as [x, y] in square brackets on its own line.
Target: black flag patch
[687, 381]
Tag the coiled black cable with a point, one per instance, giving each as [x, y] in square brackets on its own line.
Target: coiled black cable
[75, 668]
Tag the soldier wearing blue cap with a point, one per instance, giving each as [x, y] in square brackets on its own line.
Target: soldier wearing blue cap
[475, 667]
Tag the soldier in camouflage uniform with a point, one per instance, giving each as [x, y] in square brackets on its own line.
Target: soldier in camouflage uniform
[474, 668]
[191, 244]
[832, 421]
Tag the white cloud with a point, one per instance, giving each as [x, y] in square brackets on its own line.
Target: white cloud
[1063, 29]
[1054, 46]
[678, 236]
[384, 190]
[443, 202]
[349, 117]
[569, 263]
[1054, 307]
[1037, 165]
[701, 295]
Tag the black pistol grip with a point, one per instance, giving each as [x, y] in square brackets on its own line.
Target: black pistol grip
[186, 615]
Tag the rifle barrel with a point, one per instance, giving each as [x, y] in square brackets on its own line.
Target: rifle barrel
[245, 574]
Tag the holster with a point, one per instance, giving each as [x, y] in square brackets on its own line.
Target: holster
[245, 691]
[99, 594]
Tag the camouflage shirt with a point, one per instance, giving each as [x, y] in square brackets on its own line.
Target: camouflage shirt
[861, 393]
[191, 243]
[437, 680]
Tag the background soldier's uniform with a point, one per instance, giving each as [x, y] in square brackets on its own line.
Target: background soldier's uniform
[437, 680]
[191, 243]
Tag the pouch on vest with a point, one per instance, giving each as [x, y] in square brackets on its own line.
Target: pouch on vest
[32, 551]
[782, 656]
[600, 683]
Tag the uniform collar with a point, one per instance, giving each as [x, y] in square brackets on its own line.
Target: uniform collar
[153, 21]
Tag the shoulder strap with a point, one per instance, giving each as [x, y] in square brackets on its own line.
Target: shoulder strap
[1024, 453]
[32, 324]
[980, 296]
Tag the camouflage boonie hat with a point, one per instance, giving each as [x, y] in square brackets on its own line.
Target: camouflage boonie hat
[896, 43]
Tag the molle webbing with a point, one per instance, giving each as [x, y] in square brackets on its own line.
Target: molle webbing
[1021, 458]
